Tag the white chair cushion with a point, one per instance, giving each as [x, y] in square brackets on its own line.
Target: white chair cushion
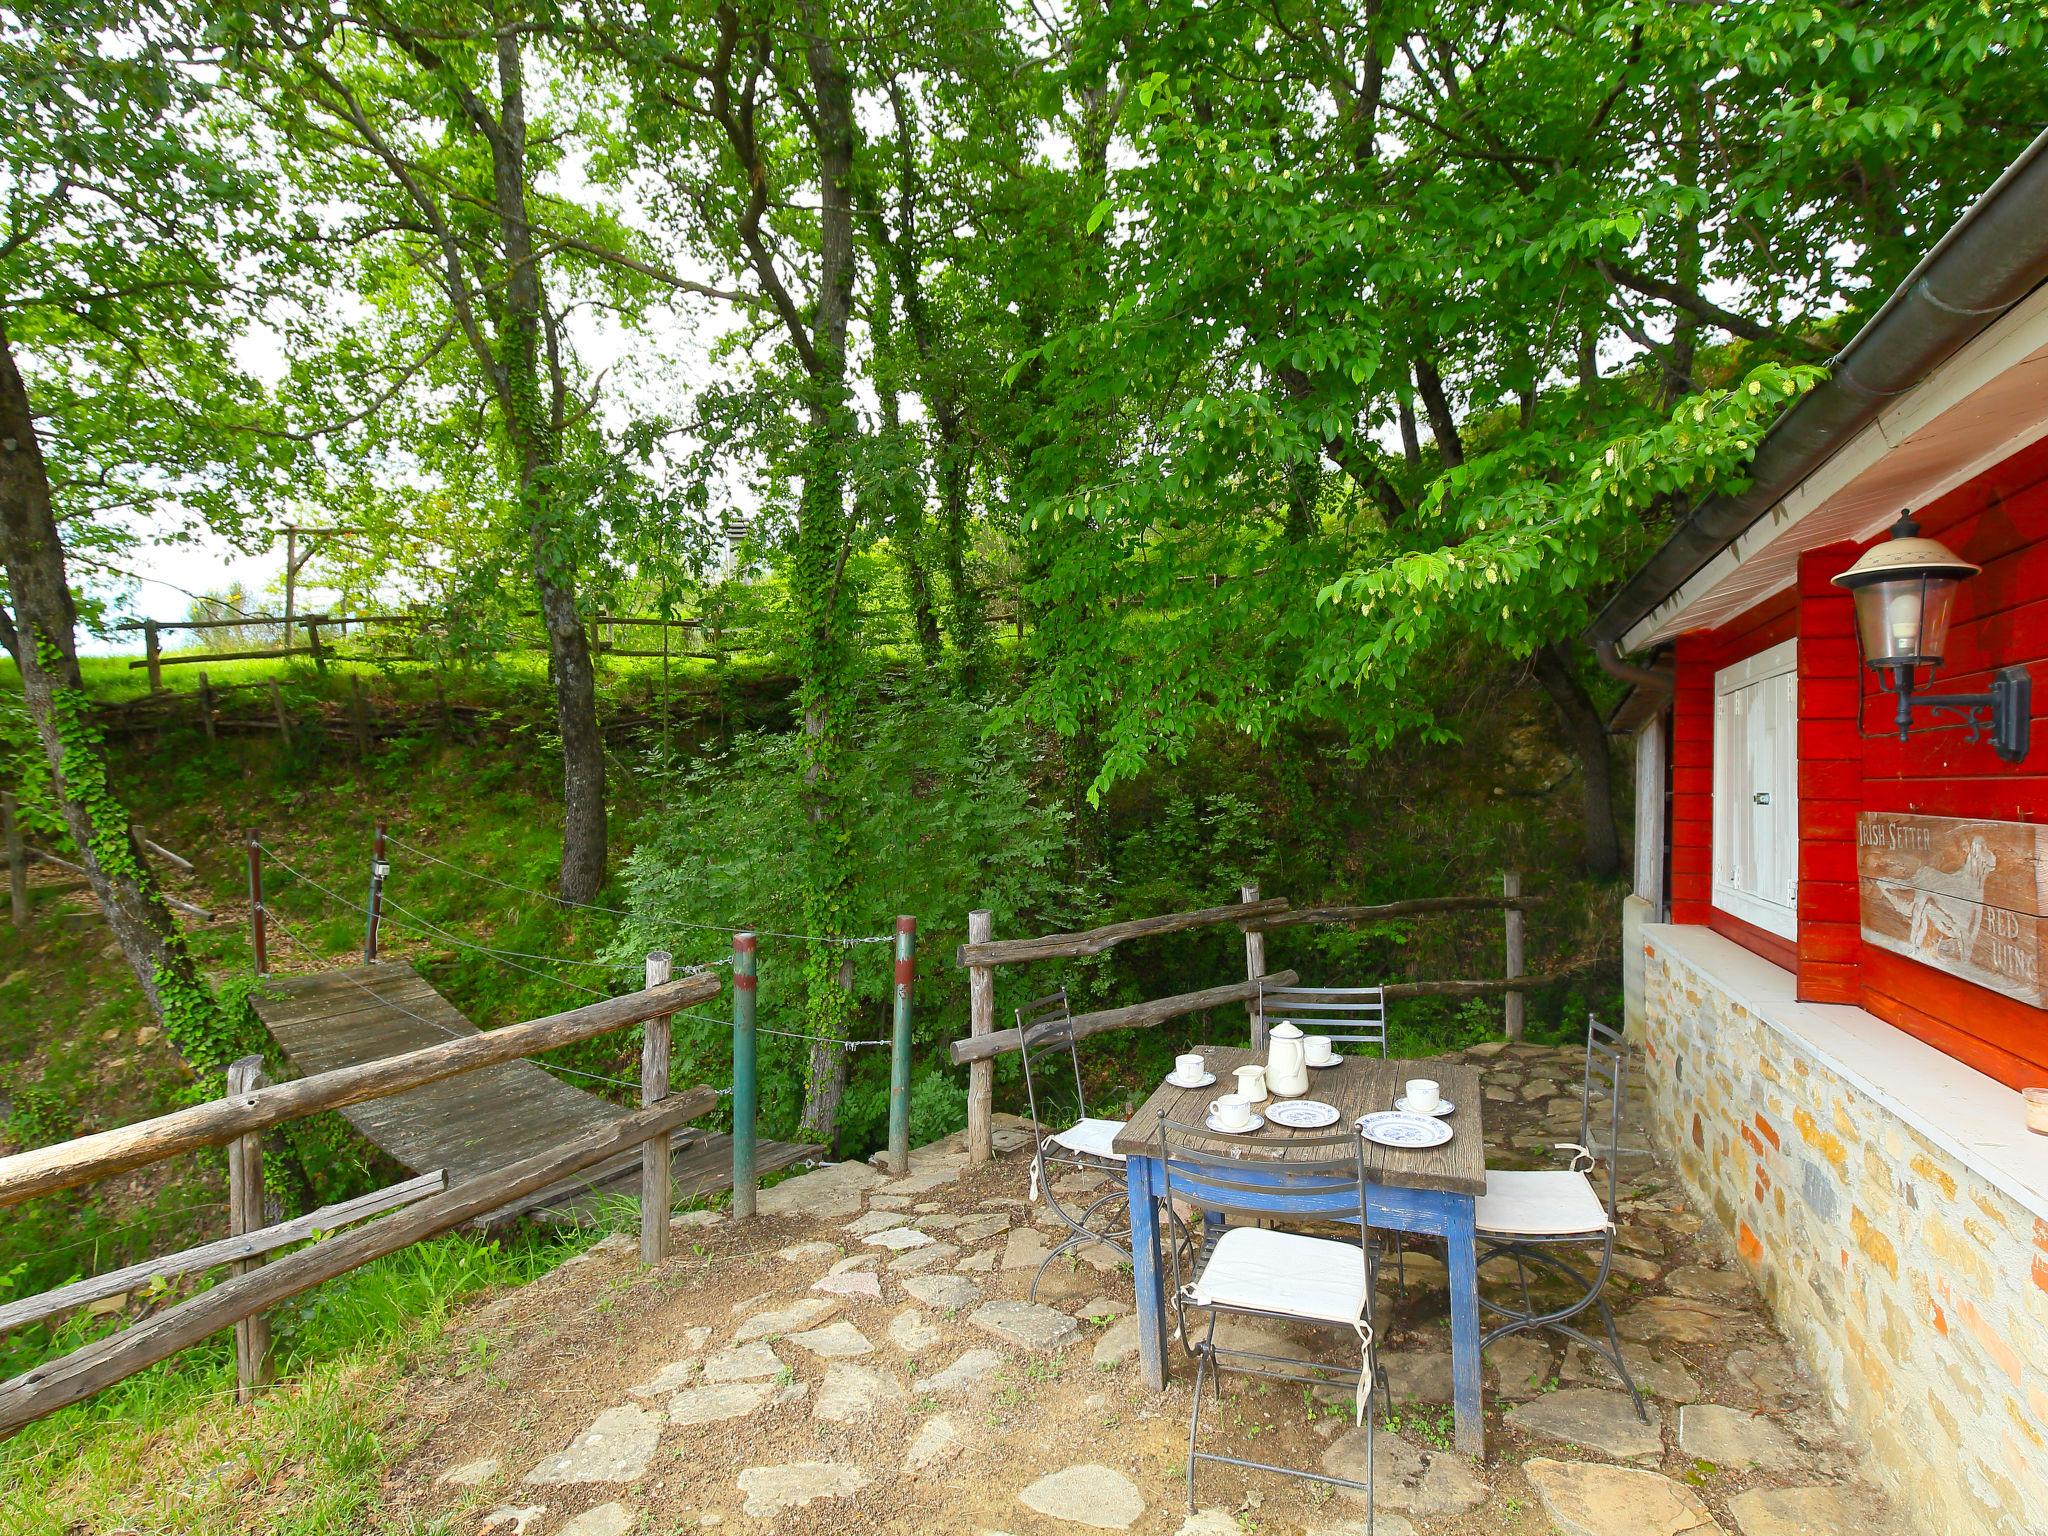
[1092, 1137]
[1545, 1203]
[1306, 1277]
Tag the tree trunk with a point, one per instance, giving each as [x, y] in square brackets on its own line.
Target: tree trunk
[1443, 425]
[969, 622]
[1585, 737]
[904, 495]
[535, 437]
[45, 621]
[823, 542]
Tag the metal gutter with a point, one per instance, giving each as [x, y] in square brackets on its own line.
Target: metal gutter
[1990, 259]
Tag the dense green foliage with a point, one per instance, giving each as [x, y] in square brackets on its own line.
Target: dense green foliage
[1166, 441]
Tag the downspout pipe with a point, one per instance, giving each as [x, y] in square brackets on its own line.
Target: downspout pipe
[1659, 680]
[1990, 259]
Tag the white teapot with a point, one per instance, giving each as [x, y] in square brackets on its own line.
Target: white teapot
[1286, 1062]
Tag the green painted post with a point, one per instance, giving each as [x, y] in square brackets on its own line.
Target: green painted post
[746, 1091]
[899, 1050]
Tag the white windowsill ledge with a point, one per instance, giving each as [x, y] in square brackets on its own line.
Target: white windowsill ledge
[1977, 1120]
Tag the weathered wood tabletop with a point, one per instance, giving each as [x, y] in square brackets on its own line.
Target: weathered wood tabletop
[1356, 1086]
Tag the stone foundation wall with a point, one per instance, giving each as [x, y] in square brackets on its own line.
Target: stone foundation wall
[1916, 1290]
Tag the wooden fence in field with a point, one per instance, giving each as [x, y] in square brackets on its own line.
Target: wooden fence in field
[427, 636]
[1256, 916]
[408, 1213]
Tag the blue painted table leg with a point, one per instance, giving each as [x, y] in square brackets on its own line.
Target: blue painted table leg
[1462, 1252]
[1147, 1278]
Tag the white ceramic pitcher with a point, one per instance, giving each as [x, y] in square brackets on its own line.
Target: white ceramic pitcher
[1286, 1062]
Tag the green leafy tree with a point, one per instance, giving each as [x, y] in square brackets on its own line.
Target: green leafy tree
[133, 245]
[1426, 319]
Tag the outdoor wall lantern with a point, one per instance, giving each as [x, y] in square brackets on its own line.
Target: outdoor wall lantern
[1904, 589]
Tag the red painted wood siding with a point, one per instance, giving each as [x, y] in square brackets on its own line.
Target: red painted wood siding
[1699, 657]
[2000, 521]
[1830, 782]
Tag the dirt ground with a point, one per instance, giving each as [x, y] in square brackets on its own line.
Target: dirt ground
[532, 1372]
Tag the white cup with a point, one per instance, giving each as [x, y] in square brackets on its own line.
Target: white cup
[1422, 1094]
[1317, 1049]
[1188, 1069]
[1233, 1112]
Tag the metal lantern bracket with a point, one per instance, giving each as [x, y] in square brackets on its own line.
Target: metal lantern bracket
[2003, 715]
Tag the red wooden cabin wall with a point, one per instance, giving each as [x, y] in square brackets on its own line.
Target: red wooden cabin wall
[1998, 520]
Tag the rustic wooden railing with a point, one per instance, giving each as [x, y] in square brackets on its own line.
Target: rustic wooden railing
[422, 1208]
[1256, 916]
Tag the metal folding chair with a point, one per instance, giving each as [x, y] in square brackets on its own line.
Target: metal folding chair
[1348, 1015]
[1046, 1031]
[1265, 1272]
[1530, 1215]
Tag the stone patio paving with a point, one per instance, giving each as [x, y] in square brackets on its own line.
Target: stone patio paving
[862, 1358]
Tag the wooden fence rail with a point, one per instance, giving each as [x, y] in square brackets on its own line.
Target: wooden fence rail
[226, 1250]
[219, 1121]
[59, 1383]
[250, 1107]
[1133, 1016]
[1256, 917]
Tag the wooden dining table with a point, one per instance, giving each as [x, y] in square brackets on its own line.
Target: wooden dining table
[1428, 1191]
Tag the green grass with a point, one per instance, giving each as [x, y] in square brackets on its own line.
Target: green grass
[170, 1452]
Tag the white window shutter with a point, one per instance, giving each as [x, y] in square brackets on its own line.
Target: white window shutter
[1756, 790]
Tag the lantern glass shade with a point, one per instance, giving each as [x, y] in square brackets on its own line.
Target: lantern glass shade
[1905, 590]
[1903, 620]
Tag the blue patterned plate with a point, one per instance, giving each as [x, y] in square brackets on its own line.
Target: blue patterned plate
[1390, 1128]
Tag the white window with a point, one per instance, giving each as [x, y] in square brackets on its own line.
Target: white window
[1756, 790]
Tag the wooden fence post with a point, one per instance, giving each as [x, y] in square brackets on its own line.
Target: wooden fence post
[657, 1172]
[981, 1020]
[258, 939]
[153, 653]
[745, 1089]
[254, 1368]
[313, 640]
[17, 860]
[284, 721]
[1254, 968]
[1512, 1007]
[206, 704]
[899, 1052]
[374, 907]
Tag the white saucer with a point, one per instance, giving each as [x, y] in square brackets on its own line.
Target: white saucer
[1258, 1123]
[1303, 1114]
[1334, 1061]
[1392, 1128]
[1201, 1082]
[1443, 1107]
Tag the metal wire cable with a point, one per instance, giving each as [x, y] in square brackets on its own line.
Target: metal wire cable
[790, 1034]
[424, 926]
[563, 901]
[526, 890]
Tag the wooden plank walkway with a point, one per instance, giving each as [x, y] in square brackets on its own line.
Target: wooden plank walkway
[482, 1119]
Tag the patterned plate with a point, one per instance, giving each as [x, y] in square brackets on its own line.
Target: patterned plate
[1303, 1114]
[1443, 1107]
[1257, 1124]
[1392, 1129]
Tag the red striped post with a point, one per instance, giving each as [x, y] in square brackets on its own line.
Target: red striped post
[899, 1050]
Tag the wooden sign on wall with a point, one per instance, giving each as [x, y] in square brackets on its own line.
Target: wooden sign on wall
[1966, 897]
